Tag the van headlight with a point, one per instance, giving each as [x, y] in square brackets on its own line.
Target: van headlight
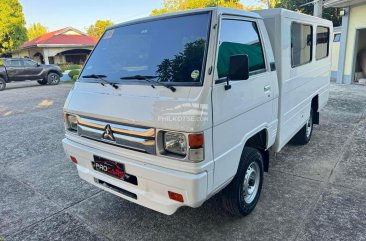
[71, 122]
[175, 143]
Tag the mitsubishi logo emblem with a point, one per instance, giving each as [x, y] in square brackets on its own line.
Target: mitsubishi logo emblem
[108, 134]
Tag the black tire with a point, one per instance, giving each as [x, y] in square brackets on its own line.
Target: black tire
[53, 78]
[234, 199]
[2, 84]
[304, 135]
[42, 82]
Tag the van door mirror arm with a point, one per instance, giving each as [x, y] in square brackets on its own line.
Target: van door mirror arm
[228, 85]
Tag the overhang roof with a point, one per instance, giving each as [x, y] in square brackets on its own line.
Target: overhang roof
[61, 37]
[342, 3]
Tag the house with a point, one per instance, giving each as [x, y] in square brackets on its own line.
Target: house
[352, 40]
[64, 46]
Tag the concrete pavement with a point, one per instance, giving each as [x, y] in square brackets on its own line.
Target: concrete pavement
[315, 192]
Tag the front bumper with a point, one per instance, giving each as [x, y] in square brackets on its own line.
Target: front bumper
[154, 182]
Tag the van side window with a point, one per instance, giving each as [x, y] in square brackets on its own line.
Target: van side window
[301, 44]
[322, 42]
[240, 37]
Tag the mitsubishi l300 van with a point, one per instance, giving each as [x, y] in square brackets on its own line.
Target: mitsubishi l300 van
[170, 110]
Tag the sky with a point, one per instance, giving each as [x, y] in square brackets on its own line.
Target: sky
[57, 14]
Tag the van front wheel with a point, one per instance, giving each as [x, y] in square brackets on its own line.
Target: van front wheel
[240, 197]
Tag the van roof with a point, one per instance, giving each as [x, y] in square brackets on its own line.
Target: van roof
[215, 10]
[266, 13]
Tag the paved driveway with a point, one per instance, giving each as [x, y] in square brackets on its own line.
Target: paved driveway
[316, 192]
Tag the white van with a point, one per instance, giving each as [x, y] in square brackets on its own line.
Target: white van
[169, 110]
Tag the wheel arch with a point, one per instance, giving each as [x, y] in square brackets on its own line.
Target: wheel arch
[259, 141]
[53, 71]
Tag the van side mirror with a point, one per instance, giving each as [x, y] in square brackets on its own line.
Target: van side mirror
[238, 68]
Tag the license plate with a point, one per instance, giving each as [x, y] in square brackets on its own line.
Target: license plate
[109, 167]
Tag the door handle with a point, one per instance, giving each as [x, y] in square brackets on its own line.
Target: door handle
[267, 88]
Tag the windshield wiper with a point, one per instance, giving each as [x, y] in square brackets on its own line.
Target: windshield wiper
[101, 78]
[149, 78]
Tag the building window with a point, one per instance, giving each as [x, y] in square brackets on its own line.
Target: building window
[240, 37]
[301, 44]
[51, 60]
[337, 37]
[322, 42]
[76, 59]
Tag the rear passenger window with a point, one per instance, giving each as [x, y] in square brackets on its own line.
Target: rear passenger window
[322, 42]
[240, 37]
[14, 63]
[301, 44]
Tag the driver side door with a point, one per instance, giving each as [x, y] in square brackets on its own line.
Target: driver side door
[247, 105]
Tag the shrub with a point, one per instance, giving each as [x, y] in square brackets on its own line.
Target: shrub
[65, 67]
[75, 77]
[74, 72]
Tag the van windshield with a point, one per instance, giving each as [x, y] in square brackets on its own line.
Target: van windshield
[170, 49]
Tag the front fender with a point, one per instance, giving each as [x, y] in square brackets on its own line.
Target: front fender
[52, 71]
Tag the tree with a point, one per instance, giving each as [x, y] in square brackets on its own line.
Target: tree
[177, 5]
[270, 3]
[98, 28]
[180, 67]
[331, 14]
[35, 30]
[12, 26]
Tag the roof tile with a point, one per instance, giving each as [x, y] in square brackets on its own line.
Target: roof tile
[56, 37]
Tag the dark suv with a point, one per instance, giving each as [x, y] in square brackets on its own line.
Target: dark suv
[21, 69]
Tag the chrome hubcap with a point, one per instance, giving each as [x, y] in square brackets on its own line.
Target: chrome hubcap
[309, 126]
[251, 182]
[53, 78]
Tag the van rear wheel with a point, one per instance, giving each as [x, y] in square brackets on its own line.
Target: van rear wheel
[304, 135]
[240, 197]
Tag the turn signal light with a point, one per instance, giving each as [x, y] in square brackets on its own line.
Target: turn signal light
[175, 196]
[73, 159]
[195, 140]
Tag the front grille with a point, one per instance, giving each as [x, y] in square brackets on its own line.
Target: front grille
[131, 137]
